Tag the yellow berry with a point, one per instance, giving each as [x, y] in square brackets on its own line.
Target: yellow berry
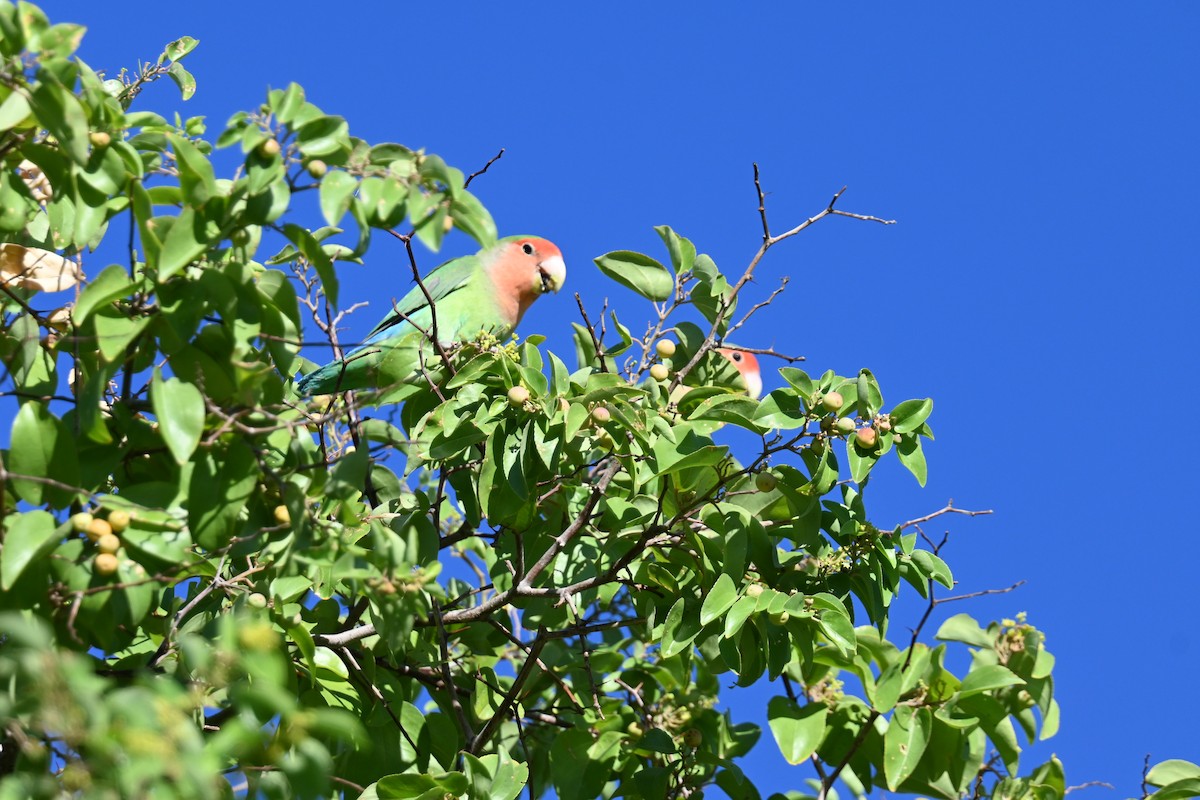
[765, 481]
[317, 168]
[98, 528]
[282, 515]
[754, 590]
[99, 138]
[601, 414]
[269, 148]
[108, 543]
[105, 564]
[659, 372]
[258, 636]
[81, 521]
[665, 348]
[692, 737]
[119, 520]
[845, 425]
[518, 396]
[832, 401]
[256, 600]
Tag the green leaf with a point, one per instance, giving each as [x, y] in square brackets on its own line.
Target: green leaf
[718, 600]
[115, 330]
[690, 451]
[1178, 790]
[913, 457]
[638, 272]
[323, 136]
[470, 216]
[495, 777]
[904, 743]
[934, 567]
[964, 628]
[679, 630]
[712, 291]
[179, 408]
[683, 252]
[196, 176]
[887, 688]
[63, 115]
[30, 535]
[181, 246]
[13, 110]
[183, 79]
[781, 409]
[410, 786]
[1171, 771]
[910, 415]
[222, 481]
[574, 770]
[337, 187]
[986, 678]
[178, 49]
[307, 244]
[737, 615]
[41, 449]
[797, 729]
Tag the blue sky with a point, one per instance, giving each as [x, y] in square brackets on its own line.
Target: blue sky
[1041, 283]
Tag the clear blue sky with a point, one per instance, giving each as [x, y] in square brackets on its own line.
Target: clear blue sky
[1041, 284]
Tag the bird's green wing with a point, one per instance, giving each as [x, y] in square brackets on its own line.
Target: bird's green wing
[447, 279]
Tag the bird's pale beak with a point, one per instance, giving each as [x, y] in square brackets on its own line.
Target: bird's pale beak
[754, 385]
[553, 271]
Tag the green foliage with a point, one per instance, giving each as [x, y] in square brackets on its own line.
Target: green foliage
[470, 595]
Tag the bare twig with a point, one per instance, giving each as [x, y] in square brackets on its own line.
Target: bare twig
[479, 172]
[948, 509]
[460, 715]
[587, 323]
[1087, 785]
[510, 698]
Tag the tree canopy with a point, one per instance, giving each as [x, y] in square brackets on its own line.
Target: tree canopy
[537, 574]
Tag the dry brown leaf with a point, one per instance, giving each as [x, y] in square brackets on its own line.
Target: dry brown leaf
[33, 177]
[37, 269]
[60, 318]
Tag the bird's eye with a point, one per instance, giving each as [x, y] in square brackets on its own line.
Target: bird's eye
[527, 249]
[737, 356]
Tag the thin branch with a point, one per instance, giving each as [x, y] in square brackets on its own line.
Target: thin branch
[949, 509]
[957, 597]
[510, 698]
[587, 323]
[443, 642]
[1086, 785]
[762, 205]
[477, 173]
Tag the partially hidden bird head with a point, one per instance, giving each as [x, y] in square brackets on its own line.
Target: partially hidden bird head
[523, 269]
[747, 367]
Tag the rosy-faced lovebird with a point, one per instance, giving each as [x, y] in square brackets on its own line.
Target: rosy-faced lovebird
[488, 292]
[747, 367]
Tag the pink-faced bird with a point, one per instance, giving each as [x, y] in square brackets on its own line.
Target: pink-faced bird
[747, 367]
[488, 292]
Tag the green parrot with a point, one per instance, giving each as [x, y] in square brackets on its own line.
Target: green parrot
[488, 292]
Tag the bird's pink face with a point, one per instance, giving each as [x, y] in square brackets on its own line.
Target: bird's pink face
[526, 269]
[747, 366]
